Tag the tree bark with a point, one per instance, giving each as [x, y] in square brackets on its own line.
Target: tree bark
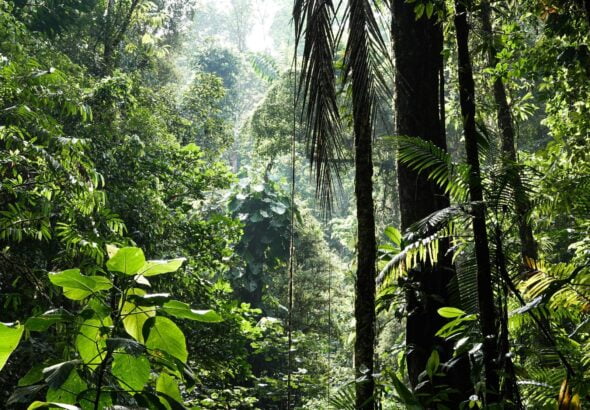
[364, 306]
[419, 112]
[528, 248]
[487, 311]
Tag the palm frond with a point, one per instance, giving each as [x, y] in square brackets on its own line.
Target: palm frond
[344, 397]
[317, 89]
[419, 245]
[558, 286]
[264, 66]
[424, 156]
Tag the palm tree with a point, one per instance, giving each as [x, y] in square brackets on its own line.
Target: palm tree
[485, 293]
[364, 47]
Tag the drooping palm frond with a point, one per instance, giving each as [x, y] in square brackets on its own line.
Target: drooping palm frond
[343, 398]
[419, 244]
[424, 156]
[317, 88]
[366, 58]
[557, 286]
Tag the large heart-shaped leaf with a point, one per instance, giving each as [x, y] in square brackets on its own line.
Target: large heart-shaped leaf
[68, 392]
[77, 286]
[158, 267]
[166, 336]
[9, 338]
[167, 385]
[42, 322]
[91, 341]
[183, 311]
[132, 372]
[126, 260]
[134, 316]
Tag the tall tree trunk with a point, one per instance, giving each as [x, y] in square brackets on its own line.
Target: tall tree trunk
[419, 112]
[364, 306]
[107, 57]
[504, 118]
[487, 313]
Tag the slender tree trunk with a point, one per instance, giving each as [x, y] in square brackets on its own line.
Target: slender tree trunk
[487, 312]
[364, 306]
[107, 58]
[365, 276]
[504, 118]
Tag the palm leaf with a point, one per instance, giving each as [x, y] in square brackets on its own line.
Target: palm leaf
[317, 89]
[424, 156]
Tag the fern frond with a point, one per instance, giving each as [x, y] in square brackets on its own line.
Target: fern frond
[424, 156]
[560, 285]
[264, 66]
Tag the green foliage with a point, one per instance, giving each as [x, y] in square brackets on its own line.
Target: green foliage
[106, 360]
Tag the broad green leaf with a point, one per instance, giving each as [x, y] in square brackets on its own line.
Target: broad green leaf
[42, 322]
[68, 392]
[112, 250]
[393, 234]
[132, 372]
[450, 312]
[57, 374]
[125, 345]
[183, 311]
[77, 286]
[158, 267]
[169, 386]
[88, 398]
[34, 375]
[127, 260]
[91, 341]
[166, 336]
[9, 338]
[43, 404]
[135, 316]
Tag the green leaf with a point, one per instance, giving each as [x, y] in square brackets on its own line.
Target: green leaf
[419, 10]
[127, 260]
[183, 311]
[278, 208]
[158, 267]
[167, 384]
[34, 375]
[432, 363]
[450, 312]
[68, 392]
[77, 286]
[394, 235]
[404, 393]
[135, 316]
[57, 374]
[166, 336]
[429, 9]
[43, 404]
[88, 398]
[132, 372]
[9, 338]
[42, 322]
[91, 341]
[125, 345]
